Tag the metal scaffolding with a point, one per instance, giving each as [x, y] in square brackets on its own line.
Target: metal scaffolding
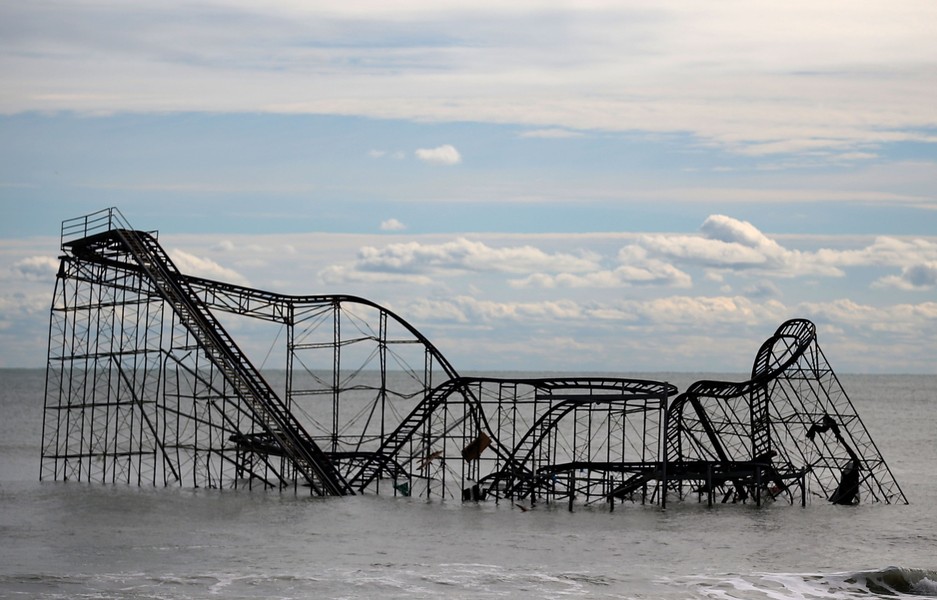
[146, 386]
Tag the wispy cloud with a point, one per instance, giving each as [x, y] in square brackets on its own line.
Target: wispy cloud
[459, 256]
[205, 267]
[724, 248]
[818, 78]
[553, 301]
[553, 133]
[37, 268]
[702, 312]
[520, 123]
[635, 268]
[396, 155]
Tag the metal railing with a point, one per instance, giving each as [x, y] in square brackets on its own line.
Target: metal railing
[106, 219]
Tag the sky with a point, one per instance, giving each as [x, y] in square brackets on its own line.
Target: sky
[582, 186]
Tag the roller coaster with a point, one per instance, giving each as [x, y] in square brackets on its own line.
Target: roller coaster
[146, 386]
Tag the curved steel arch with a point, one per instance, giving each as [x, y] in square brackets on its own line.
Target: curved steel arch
[769, 432]
[246, 301]
[796, 335]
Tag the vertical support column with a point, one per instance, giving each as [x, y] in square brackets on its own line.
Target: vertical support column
[382, 358]
[84, 356]
[710, 492]
[55, 376]
[664, 447]
[289, 324]
[572, 488]
[336, 368]
[757, 486]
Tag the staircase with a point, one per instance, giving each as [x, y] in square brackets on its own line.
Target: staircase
[521, 481]
[269, 411]
[396, 440]
[631, 485]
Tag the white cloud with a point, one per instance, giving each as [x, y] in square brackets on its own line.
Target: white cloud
[729, 243]
[884, 251]
[37, 268]
[818, 78]
[676, 332]
[341, 275]
[914, 320]
[724, 248]
[16, 306]
[392, 225]
[463, 255]
[468, 307]
[660, 316]
[441, 155]
[704, 312]
[191, 264]
[471, 309]
[425, 310]
[916, 277]
[636, 268]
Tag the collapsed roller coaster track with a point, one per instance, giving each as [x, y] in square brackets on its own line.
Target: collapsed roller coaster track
[145, 385]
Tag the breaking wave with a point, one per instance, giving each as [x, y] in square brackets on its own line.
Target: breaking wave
[890, 582]
[897, 580]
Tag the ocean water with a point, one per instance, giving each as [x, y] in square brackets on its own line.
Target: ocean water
[68, 540]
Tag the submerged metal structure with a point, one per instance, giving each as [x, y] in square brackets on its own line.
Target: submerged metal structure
[146, 385]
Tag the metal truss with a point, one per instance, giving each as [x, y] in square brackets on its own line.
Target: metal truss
[549, 439]
[790, 427]
[145, 385]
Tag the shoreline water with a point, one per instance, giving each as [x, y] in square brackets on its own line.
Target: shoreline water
[115, 541]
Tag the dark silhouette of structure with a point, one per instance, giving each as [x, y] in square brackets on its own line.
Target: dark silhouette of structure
[145, 385]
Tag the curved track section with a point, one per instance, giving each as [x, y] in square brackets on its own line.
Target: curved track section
[556, 457]
[790, 425]
[525, 439]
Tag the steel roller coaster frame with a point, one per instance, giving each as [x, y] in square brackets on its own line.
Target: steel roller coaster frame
[145, 385]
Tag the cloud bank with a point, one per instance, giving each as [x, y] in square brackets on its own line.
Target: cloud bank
[818, 79]
[725, 247]
[554, 302]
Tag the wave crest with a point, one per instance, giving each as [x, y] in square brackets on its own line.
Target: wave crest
[889, 582]
[900, 580]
